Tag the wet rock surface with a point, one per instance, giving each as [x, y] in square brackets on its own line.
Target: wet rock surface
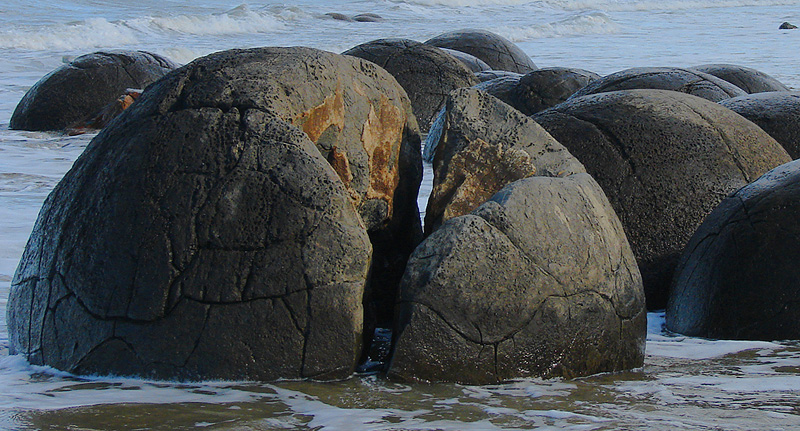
[748, 79]
[777, 112]
[738, 277]
[78, 91]
[426, 73]
[537, 282]
[220, 228]
[665, 160]
[664, 78]
[497, 51]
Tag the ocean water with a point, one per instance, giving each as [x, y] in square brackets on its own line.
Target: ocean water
[686, 383]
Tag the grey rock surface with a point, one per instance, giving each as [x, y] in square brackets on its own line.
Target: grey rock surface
[203, 235]
[427, 74]
[497, 51]
[664, 78]
[79, 90]
[487, 75]
[665, 160]
[748, 79]
[473, 63]
[777, 112]
[537, 282]
[486, 144]
[738, 277]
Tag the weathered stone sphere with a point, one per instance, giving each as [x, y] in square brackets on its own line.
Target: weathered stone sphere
[664, 78]
[77, 91]
[497, 51]
[203, 235]
[473, 63]
[777, 112]
[427, 74]
[748, 79]
[665, 160]
[738, 278]
[537, 282]
[540, 89]
[488, 75]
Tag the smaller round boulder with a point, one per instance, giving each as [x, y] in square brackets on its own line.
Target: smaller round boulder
[749, 80]
[473, 63]
[78, 91]
[777, 112]
[540, 89]
[738, 278]
[664, 78]
[497, 51]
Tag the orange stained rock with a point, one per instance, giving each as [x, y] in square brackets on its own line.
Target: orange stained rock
[320, 118]
[382, 136]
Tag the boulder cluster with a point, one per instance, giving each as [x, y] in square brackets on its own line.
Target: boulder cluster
[253, 214]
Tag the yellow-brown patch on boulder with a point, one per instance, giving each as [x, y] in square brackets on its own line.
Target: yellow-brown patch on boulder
[380, 136]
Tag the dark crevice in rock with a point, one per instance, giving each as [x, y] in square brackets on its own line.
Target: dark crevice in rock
[200, 334]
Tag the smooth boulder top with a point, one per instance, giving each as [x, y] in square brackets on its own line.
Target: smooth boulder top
[738, 277]
[473, 63]
[748, 79]
[538, 90]
[488, 75]
[484, 145]
[203, 235]
[426, 73]
[76, 92]
[537, 282]
[665, 160]
[777, 112]
[688, 81]
[497, 51]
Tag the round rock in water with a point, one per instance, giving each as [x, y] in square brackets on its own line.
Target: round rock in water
[664, 78]
[777, 112]
[426, 73]
[537, 282]
[749, 80]
[76, 92]
[497, 51]
[738, 276]
[203, 235]
[665, 160]
[484, 145]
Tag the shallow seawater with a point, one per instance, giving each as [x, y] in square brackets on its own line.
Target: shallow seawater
[685, 384]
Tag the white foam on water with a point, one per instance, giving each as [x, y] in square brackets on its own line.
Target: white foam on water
[660, 5]
[241, 20]
[582, 24]
[91, 33]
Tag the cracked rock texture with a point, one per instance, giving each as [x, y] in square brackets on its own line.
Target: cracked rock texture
[665, 160]
[79, 90]
[488, 75]
[497, 51]
[537, 282]
[426, 73]
[203, 235]
[485, 144]
[749, 80]
[664, 78]
[777, 112]
[738, 278]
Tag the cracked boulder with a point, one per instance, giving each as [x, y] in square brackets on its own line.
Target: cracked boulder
[76, 92]
[665, 160]
[497, 51]
[427, 74]
[777, 112]
[484, 145]
[748, 79]
[738, 278]
[688, 81]
[204, 235]
[537, 282]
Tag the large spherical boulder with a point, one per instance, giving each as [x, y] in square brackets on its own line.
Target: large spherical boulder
[665, 160]
[204, 235]
[540, 89]
[473, 63]
[497, 51]
[664, 78]
[738, 277]
[537, 282]
[426, 73]
[76, 92]
[484, 145]
[748, 79]
[777, 112]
